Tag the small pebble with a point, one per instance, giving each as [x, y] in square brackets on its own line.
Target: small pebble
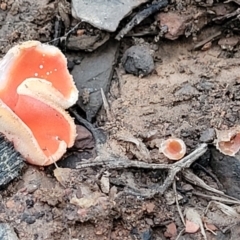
[30, 219]
[208, 135]
[138, 61]
[70, 65]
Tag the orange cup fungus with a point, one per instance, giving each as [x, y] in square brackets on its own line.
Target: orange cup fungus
[35, 89]
[173, 148]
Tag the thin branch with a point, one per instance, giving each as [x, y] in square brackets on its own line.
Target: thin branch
[176, 199]
[116, 162]
[215, 198]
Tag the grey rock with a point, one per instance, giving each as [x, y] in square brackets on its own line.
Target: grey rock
[137, 60]
[103, 14]
[187, 90]
[205, 85]
[28, 218]
[95, 72]
[7, 232]
[147, 235]
[208, 135]
[11, 162]
[227, 170]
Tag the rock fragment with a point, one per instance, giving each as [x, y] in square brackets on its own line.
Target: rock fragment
[137, 60]
[103, 14]
[175, 23]
[7, 232]
[228, 43]
[208, 135]
[86, 42]
[95, 72]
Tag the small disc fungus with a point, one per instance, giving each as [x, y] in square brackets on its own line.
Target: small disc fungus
[228, 141]
[35, 89]
[173, 148]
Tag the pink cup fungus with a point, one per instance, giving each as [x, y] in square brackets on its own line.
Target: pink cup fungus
[173, 148]
[228, 141]
[35, 89]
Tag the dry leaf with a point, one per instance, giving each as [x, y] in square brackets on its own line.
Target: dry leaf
[229, 211]
[194, 222]
[171, 230]
[211, 227]
[191, 227]
[84, 139]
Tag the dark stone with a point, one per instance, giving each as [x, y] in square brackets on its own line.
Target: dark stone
[78, 61]
[70, 65]
[227, 170]
[28, 218]
[39, 214]
[95, 72]
[137, 60]
[29, 203]
[147, 235]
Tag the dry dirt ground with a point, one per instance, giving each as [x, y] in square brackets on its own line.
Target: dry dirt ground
[188, 93]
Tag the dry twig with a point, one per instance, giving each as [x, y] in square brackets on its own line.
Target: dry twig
[192, 178]
[220, 199]
[176, 199]
[106, 106]
[117, 162]
[180, 234]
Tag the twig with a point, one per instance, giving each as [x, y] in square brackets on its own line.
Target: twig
[209, 173]
[213, 37]
[208, 229]
[66, 34]
[180, 234]
[176, 199]
[57, 31]
[106, 106]
[116, 162]
[192, 178]
[220, 199]
[139, 17]
[99, 137]
[227, 16]
[229, 211]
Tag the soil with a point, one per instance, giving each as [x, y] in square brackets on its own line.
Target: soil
[189, 93]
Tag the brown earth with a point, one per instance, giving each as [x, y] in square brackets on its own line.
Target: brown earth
[189, 92]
